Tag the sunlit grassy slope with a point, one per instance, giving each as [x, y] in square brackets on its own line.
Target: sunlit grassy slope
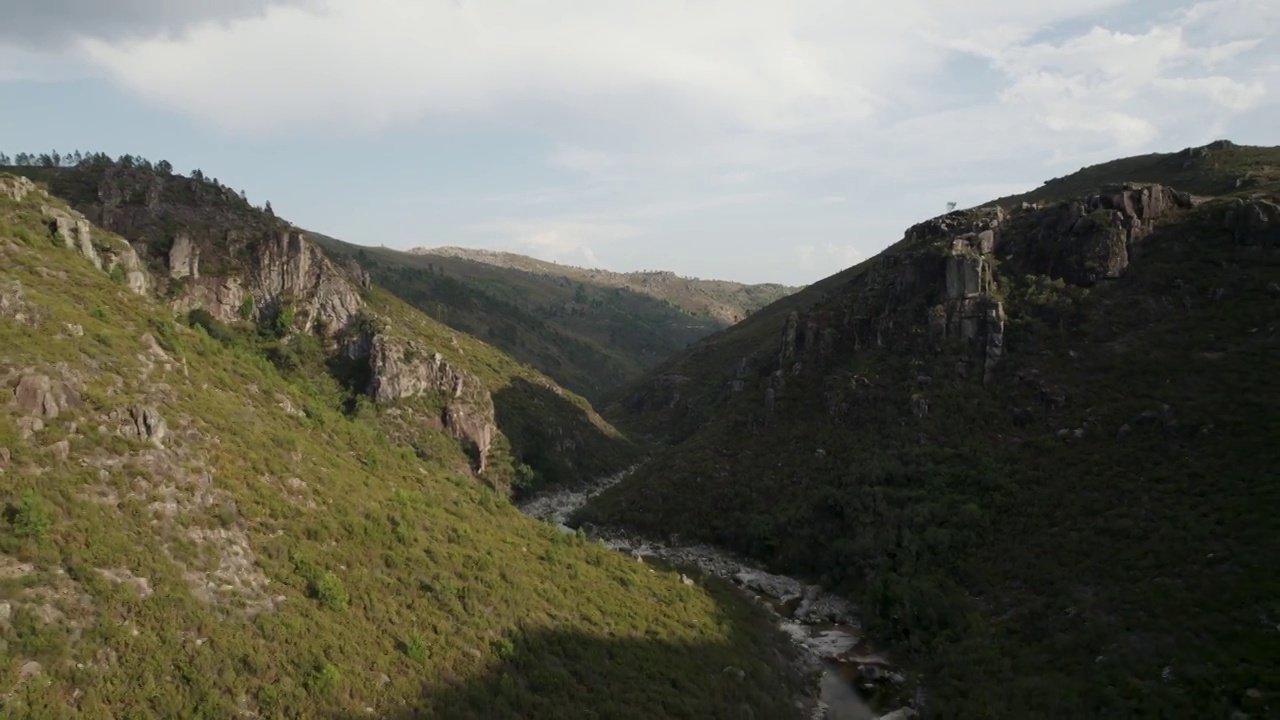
[189, 533]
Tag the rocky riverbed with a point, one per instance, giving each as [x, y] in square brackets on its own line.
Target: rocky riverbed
[854, 683]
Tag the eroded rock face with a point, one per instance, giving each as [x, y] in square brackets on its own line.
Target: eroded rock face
[401, 369]
[1091, 239]
[289, 266]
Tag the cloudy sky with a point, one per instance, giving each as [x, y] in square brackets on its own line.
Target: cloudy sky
[760, 140]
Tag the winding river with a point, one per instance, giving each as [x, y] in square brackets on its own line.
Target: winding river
[852, 682]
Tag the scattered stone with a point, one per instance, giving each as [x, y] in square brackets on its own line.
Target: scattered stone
[4, 457]
[736, 673]
[686, 580]
[29, 669]
[287, 405]
[61, 450]
[124, 576]
[901, 714]
[919, 405]
[6, 612]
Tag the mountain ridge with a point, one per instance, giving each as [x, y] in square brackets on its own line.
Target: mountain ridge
[1043, 403]
[589, 332]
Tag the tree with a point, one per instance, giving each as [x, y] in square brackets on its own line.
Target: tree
[164, 167]
[197, 174]
[4, 159]
[267, 209]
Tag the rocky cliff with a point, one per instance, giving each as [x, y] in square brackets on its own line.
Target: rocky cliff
[399, 369]
[209, 248]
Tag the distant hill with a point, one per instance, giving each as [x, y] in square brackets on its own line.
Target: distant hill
[238, 479]
[722, 300]
[1037, 438]
[590, 330]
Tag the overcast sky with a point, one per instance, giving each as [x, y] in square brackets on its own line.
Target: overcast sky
[758, 140]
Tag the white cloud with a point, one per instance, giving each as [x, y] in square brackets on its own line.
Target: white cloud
[828, 258]
[715, 65]
[670, 110]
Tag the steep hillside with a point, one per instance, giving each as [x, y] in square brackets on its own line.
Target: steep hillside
[590, 330]
[250, 277]
[193, 530]
[1037, 438]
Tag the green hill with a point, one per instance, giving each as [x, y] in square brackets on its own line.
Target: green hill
[590, 330]
[203, 520]
[1035, 438]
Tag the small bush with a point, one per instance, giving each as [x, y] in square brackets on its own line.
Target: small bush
[415, 649]
[30, 517]
[324, 681]
[331, 593]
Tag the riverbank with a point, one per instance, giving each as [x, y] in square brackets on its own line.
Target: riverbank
[850, 680]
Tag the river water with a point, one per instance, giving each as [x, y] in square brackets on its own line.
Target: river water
[853, 683]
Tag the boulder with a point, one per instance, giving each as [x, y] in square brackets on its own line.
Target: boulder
[43, 397]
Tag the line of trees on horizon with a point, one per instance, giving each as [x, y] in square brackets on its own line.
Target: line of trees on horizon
[54, 159]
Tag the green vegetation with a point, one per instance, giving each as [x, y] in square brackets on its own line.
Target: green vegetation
[590, 330]
[554, 435]
[1091, 533]
[273, 549]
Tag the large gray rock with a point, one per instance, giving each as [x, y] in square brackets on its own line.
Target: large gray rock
[184, 258]
[42, 397]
